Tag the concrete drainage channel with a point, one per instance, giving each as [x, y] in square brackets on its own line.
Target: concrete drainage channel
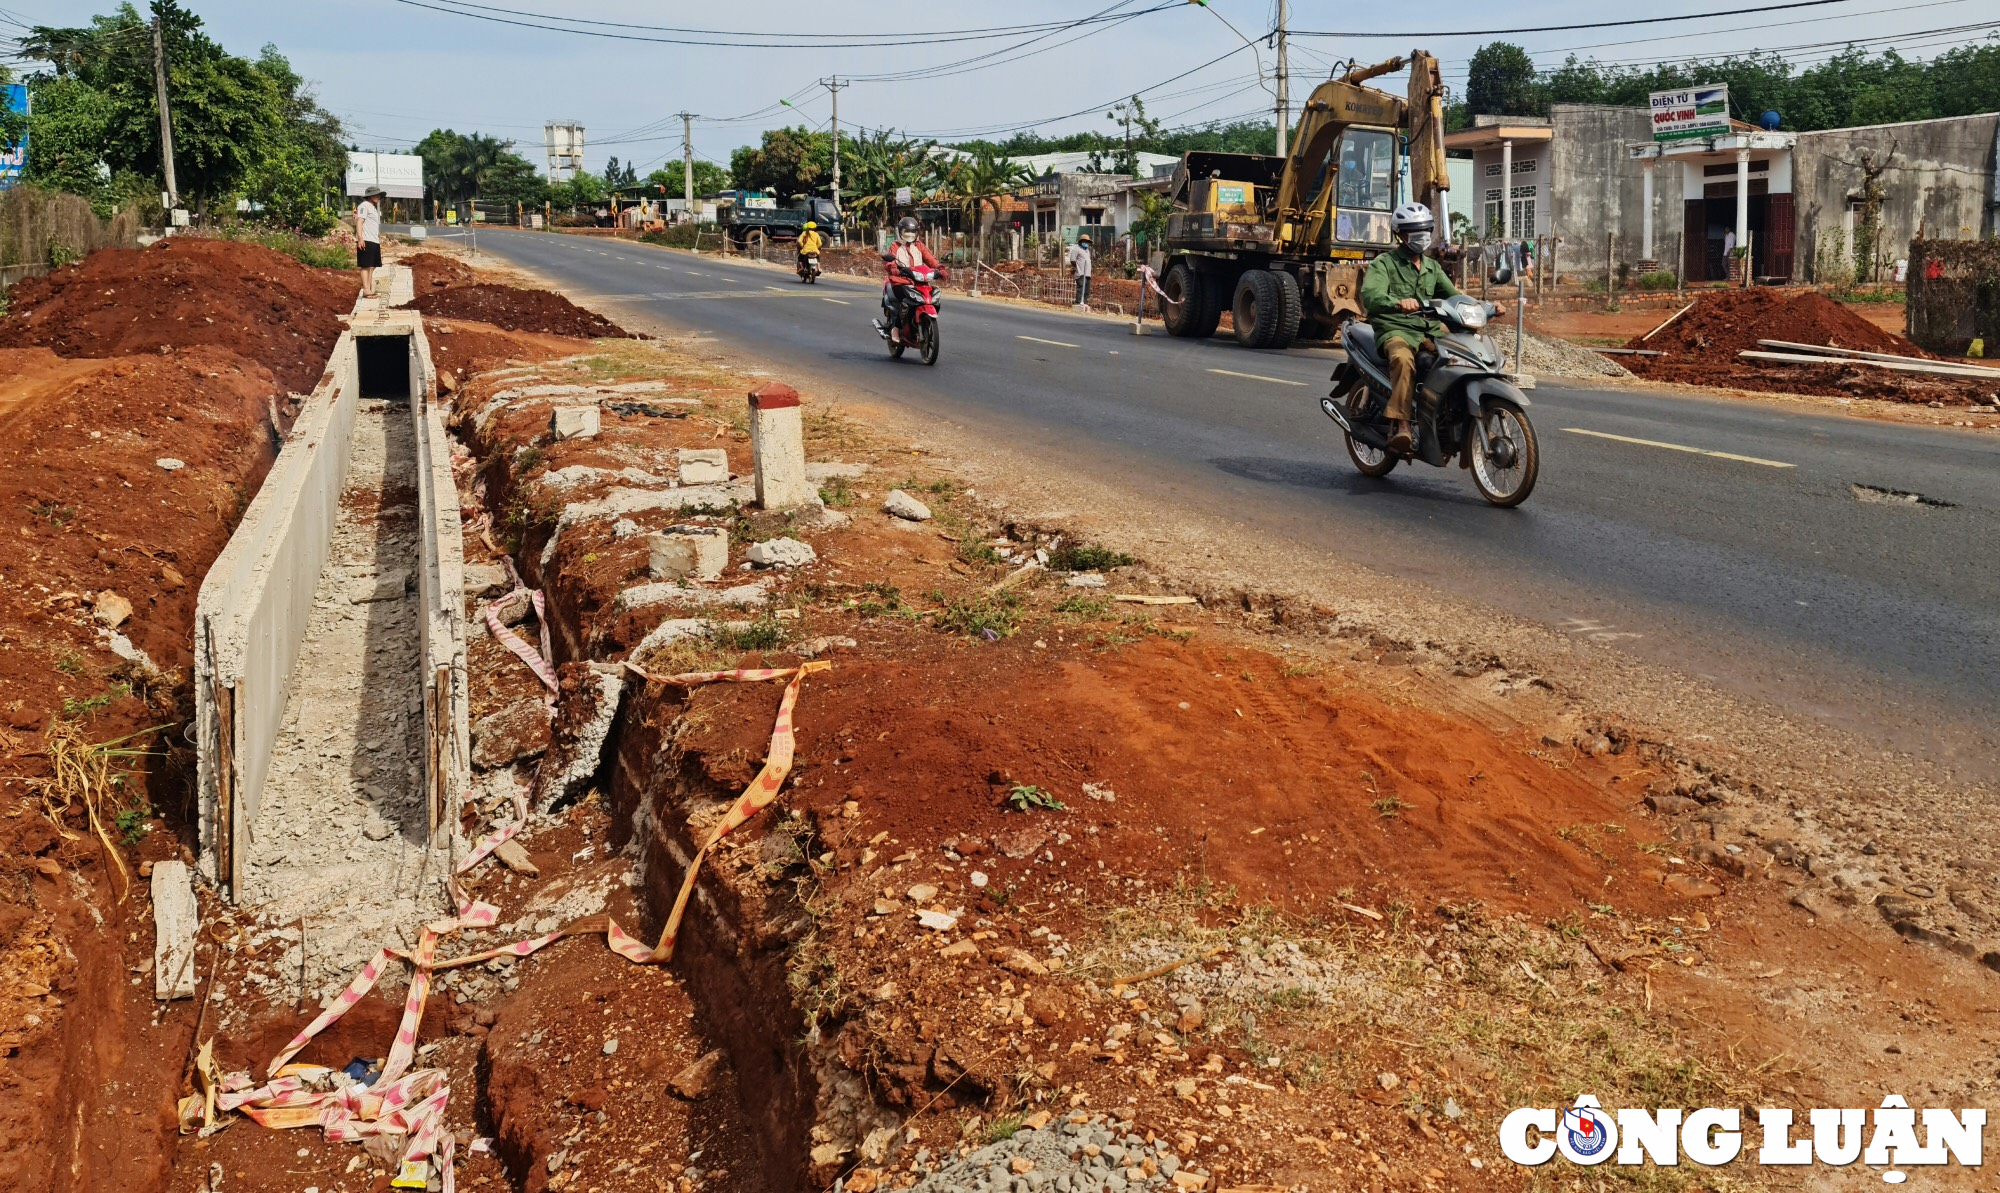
[333, 690]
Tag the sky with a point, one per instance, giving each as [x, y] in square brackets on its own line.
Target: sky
[394, 69]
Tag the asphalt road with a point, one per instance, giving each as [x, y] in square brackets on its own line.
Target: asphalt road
[1760, 569]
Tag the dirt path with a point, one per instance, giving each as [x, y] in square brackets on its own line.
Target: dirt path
[340, 838]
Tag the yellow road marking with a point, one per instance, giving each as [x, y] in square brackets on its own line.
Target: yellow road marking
[1256, 377]
[1040, 340]
[1681, 447]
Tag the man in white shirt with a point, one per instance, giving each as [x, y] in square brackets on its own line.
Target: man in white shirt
[1079, 263]
[368, 235]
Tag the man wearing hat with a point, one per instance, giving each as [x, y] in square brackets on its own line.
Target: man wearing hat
[1079, 264]
[368, 235]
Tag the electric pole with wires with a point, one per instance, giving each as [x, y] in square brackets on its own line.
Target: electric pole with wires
[166, 117]
[1284, 80]
[833, 86]
[687, 159]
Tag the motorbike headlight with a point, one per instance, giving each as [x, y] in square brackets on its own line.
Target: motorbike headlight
[1471, 314]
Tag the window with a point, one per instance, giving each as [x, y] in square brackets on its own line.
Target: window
[1367, 169]
[1493, 169]
[1522, 165]
[1524, 213]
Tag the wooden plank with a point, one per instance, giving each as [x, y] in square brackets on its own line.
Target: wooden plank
[1662, 327]
[1860, 355]
[225, 790]
[1629, 351]
[1926, 368]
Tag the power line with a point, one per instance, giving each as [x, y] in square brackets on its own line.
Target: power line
[1693, 16]
[931, 36]
[882, 40]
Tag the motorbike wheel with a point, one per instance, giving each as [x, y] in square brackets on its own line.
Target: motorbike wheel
[895, 349]
[812, 277]
[927, 341]
[1504, 472]
[1370, 461]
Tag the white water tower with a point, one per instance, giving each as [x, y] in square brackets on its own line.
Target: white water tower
[564, 141]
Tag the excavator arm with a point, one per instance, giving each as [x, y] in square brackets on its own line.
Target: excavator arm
[1305, 199]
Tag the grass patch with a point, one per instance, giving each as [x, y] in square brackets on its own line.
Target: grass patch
[1083, 606]
[1086, 557]
[1024, 798]
[93, 775]
[837, 493]
[76, 710]
[306, 250]
[877, 599]
[991, 616]
[52, 513]
[978, 553]
[1388, 807]
[1003, 1127]
[765, 633]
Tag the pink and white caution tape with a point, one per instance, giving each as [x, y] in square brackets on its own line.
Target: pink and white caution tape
[537, 661]
[412, 1102]
[1153, 284]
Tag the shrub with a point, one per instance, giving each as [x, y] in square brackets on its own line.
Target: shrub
[1659, 279]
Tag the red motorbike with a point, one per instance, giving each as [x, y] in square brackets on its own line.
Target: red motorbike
[916, 295]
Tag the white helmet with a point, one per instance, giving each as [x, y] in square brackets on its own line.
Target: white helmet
[1413, 217]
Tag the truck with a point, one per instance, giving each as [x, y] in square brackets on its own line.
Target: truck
[1281, 243]
[750, 220]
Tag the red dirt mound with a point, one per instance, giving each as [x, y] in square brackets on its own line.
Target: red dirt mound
[100, 533]
[511, 309]
[182, 293]
[463, 348]
[434, 271]
[1725, 322]
[1701, 348]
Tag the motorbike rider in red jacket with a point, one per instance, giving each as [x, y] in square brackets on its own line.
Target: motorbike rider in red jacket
[909, 253]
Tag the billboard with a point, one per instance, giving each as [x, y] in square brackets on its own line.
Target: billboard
[400, 175]
[13, 158]
[1690, 112]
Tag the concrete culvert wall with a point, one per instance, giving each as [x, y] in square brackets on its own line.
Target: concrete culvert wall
[259, 600]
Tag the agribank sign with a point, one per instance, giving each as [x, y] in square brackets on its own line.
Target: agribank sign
[1888, 1139]
[1689, 112]
[13, 158]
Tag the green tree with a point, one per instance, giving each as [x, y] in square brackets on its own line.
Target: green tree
[290, 182]
[880, 164]
[1501, 81]
[979, 182]
[709, 179]
[619, 174]
[789, 161]
[1132, 114]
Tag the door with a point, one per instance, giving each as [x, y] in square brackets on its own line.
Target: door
[1781, 231]
[1694, 241]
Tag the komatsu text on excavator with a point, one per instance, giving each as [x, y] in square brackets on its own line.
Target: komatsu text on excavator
[1281, 242]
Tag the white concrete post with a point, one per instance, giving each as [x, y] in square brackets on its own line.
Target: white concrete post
[1743, 204]
[1506, 190]
[777, 448]
[1646, 166]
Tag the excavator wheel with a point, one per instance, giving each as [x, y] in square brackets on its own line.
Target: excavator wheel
[1290, 310]
[1192, 311]
[1258, 309]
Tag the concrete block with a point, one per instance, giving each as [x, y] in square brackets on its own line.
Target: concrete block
[689, 553]
[704, 465]
[176, 919]
[585, 708]
[576, 422]
[486, 579]
[781, 553]
[902, 505]
[778, 450]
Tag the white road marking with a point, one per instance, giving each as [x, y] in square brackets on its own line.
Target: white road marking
[1257, 377]
[841, 301]
[1681, 447]
[1040, 340]
[1596, 631]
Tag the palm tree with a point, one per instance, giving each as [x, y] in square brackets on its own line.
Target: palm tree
[883, 163]
[980, 182]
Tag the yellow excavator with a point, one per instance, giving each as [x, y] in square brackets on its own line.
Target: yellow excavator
[1281, 242]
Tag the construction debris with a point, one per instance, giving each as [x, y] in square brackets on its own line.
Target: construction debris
[176, 919]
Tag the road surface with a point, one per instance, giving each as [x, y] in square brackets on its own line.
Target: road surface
[1726, 539]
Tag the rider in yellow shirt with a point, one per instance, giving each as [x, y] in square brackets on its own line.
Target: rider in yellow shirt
[810, 240]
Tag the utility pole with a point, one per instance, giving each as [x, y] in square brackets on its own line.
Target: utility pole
[833, 86]
[166, 119]
[687, 159]
[1284, 82]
